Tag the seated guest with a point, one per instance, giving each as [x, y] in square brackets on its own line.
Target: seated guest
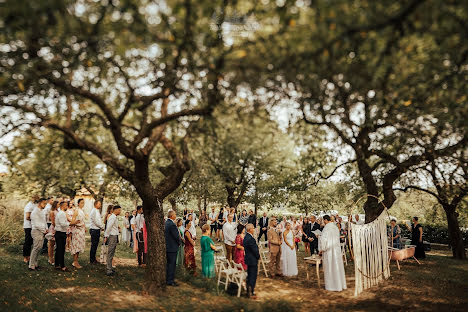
[252, 255]
[395, 233]
[189, 248]
[207, 253]
[239, 250]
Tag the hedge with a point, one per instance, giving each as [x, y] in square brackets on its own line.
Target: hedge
[434, 234]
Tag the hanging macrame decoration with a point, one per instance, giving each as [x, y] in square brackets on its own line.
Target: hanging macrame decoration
[370, 249]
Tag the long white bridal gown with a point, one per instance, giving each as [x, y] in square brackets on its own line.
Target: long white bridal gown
[332, 260]
[288, 257]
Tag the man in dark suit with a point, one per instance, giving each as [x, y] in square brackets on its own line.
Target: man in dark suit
[252, 218]
[314, 242]
[263, 223]
[251, 260]
[172, 245]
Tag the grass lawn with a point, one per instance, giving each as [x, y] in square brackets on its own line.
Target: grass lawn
[439, 284]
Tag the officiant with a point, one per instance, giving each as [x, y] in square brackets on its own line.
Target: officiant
[332, 259]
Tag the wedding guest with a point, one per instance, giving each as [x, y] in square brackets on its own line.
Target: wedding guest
[71, 227]
[306, 234]
[173, 241]
[138, 226]
[95, 227]
[185, 213]
[126, 230]
[38, 230]
[252, 218]
[78, 240]
[239, 250]
[189, 249]
[207, 253]
[234, 214]
[358, 220]
[51, 232]
[46, 212]
[282, 225]
[203, 219]
[244, 218]
[61, 227]
[180, 251]
[28, 240]
[395, 233]
[342, 233]
[221, 221]
[274, 244]
[263, 224]
[111, 237]
[251, 260]
[192, 228]
[230, 232]
[132, 216]
[288, 252]
[213, 225]
[417, 238]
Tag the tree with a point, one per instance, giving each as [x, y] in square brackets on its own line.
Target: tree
[355, 70]
[247, 152]
[449, 179]
[145, 73]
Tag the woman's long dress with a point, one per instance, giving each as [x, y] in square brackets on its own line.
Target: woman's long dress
[419, 253]
[239, 253]
[180, 252]
[288, 256]
[189, 253]
[207, 257]
[78, 240]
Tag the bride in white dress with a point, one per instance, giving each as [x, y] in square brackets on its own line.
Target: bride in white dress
[288, 252]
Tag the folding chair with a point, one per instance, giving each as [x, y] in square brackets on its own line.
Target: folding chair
[265, 260]
[226, 269]
[343, 252]
[239, 277]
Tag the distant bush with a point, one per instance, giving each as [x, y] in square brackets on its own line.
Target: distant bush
[11, 222]
[434, 234]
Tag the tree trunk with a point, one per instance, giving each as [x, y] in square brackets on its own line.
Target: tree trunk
[173, 203]
[152, 208]
[231, 200]
[205, 201]
[199, 204]
[455, 235]
[156, 256]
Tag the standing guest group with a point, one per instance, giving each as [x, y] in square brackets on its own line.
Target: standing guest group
[56, 226]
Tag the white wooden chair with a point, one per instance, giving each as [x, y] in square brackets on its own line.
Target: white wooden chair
[219, 257]
[226, 269]
[265, 260]
[239, 277]
[343, 252]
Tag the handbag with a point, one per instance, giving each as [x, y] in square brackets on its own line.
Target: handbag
[103, 256]
[232, 289]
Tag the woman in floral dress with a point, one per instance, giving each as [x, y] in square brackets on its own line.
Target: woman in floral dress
[189, 249]
[78, 240]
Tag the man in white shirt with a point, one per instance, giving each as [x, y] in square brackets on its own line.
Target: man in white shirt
[28, 241]
[39, 228]
[95, 226]
[212, 218]
[138, 226]
[111, 236]
[230, 233]
[358, 221]
[46, 212]
[61, 226]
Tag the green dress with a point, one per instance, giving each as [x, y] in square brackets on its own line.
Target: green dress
[207, 257]
[180, 252]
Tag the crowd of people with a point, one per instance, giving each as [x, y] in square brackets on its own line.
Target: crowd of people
[240, 236]
[56, 226]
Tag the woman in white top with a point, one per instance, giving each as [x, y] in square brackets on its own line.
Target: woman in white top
[288, 252]
[126, 234]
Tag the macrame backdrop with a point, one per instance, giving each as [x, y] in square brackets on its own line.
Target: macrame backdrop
[370, 248]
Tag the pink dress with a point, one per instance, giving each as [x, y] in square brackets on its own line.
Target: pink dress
[239, 253]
